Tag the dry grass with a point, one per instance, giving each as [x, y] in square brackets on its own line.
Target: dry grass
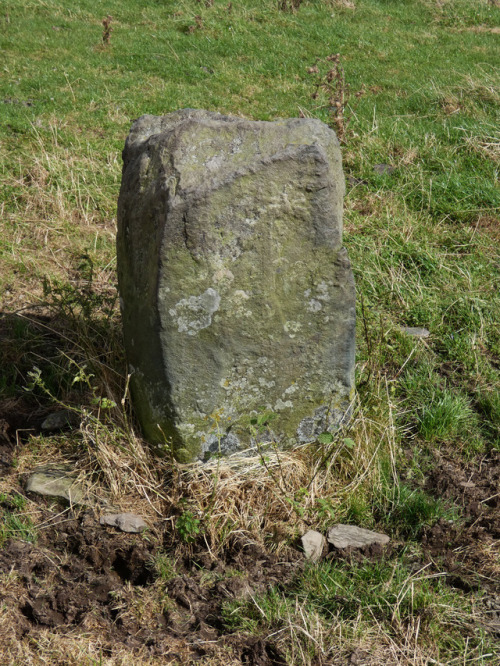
[239, 498]
[486, 145]
[54, 191]
[342, 4]
[77, 648]
[273, 498]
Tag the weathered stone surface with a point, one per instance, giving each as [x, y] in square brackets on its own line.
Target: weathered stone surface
[384, 168]
[345, 536]
[415, 331]
[55, 481]
[236, 292]
[126, 522]
[64, 418]
[313, 543]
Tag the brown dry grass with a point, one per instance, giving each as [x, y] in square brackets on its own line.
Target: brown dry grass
[51, 195]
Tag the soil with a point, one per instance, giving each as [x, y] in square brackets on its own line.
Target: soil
[469, 549]
[79, 573]
[83, 577]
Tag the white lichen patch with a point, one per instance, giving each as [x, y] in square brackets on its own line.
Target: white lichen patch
[320, 296]
[292, 327]
[282, 404]
[322, 292]
[266, 383]
[195, 313]
[314, 306]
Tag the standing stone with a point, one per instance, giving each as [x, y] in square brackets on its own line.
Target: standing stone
[236, 292]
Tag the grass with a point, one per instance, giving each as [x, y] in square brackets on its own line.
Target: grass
[15, 524]
[423, 240]
[311, 625]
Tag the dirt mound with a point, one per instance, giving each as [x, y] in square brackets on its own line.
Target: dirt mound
[79, 575]
[468, 548]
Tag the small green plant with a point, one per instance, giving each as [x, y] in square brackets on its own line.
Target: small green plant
[325, 510]
[82, 376]
[260, 422]
[80, 299]
[188, 526]
[165, 567]
[297, 502]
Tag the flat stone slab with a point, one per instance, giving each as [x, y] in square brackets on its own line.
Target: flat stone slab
[56, 481]
[126, 522]
[236, 292]
[65, 418]
[384, 168]
[345, 536]
[313, 544]
[416, 331]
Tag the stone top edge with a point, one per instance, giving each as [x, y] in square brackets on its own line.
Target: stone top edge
[147, 126]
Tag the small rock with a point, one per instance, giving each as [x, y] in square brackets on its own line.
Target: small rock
[313, 543]
[358, 657]
[55, 481]
[353, 181]
[65, 418]
[126, 522]
[343, 536]
[384, 168]
[416, 331]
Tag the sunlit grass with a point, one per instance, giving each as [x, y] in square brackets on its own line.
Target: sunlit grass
[423, 238]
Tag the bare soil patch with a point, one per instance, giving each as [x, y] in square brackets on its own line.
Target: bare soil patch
[469, 551]
[81, 576]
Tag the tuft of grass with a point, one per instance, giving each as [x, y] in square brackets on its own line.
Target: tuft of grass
[165, 567]
[406, 509]
[14, 522]
[445, 417]
[443, 413]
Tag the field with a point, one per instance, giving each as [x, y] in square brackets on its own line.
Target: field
[219, 577]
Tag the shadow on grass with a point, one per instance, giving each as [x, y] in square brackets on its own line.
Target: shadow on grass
[54, 359]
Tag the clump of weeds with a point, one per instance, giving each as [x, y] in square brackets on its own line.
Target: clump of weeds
[330, 82]
[289, 5]
[107, 30]
[197, 25]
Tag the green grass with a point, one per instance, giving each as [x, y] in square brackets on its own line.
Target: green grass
[423, 241]
[339, 601]
[14, 523]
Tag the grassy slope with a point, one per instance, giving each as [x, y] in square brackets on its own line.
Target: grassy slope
[423, 240]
